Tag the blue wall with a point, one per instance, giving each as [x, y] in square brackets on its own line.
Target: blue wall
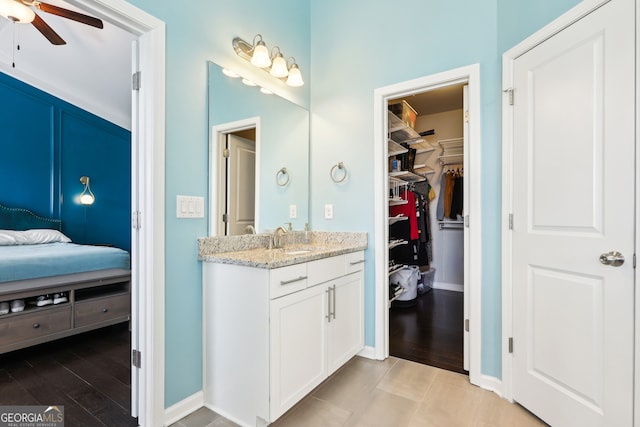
[47, 145]
[346, 50]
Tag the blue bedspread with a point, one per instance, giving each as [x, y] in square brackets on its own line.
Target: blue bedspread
[52, 259]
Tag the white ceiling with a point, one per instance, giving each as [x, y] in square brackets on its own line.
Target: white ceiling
[437, 101]
[92, 71]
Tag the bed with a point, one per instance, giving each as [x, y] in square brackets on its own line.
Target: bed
[91, 285]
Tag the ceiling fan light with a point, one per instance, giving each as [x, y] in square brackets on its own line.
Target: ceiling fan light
[16, 12]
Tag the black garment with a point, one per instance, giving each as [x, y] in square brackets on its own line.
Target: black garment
[457, 198]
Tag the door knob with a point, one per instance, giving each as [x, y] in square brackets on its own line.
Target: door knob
[613, 258]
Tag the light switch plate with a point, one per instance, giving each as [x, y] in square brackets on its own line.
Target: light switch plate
[293, 211]
[189, 207]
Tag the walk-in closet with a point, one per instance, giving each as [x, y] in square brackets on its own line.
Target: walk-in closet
[426, 227]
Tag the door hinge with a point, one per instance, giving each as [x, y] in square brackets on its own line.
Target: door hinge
[510, 344]
[466, 221]
[225, 153]
[509, 93]
[136, 220]
[634, 260]
[136, 358]
[225, 217]
[136, 80]
[510, 221]
[466, 325]
[466, 116]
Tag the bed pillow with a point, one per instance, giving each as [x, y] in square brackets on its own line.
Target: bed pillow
[38, 236]
[12, 238]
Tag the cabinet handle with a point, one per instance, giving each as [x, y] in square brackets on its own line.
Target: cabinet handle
[328, 316]
[104, 310]
[334, 301]
[356, 262]
[36, 325]
[287, 282]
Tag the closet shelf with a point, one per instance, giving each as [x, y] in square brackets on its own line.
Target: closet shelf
[451, 159]
[425, 170]
[396, 267]
[423, 147]
[396, 243]
[401, 132]
[394, 219]
[395, 149]
[454, 224]
[397, 202]
[447, 144]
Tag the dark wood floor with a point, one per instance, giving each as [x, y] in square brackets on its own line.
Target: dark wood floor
[88, 374]
[431, 331]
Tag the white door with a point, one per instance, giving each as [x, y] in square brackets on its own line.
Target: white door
[573, 200]
[298, 328]
[241, 189]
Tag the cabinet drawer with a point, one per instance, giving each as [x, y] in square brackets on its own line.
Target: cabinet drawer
[353, 262]
[285, 280]
[325, 269]
[26, 327]
[102, 309]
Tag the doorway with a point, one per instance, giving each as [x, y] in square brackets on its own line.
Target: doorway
[233, 150]
[471, 223]
[426, 250]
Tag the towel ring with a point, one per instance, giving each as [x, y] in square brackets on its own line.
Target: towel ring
[282, 177]
[339, 166]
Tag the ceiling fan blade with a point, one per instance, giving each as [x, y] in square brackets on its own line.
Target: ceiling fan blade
[69, 14]
[47, 31]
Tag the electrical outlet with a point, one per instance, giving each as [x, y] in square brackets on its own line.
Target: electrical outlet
[328, 211]
[293, 211]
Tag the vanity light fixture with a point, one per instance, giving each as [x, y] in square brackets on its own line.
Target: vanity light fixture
[86, 197]
[275, 64]
[230, 73]
[248, 82]
[16, 11]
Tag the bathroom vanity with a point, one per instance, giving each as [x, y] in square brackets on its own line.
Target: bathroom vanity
[277, 322]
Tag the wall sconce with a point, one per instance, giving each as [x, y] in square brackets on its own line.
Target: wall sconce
[275, 64]
[86, 197]
[16, 11]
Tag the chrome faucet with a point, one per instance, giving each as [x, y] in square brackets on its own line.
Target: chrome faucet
[278, 235]
[250, 229]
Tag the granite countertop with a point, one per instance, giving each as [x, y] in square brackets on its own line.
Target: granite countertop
[251, 250]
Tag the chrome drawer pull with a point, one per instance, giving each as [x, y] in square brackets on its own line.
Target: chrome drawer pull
[356, 262]
[287, 282]
[36, 325]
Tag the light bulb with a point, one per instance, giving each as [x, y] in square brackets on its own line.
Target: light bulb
[279, 66]
[230, 73]
[295, 76]
[260, 57]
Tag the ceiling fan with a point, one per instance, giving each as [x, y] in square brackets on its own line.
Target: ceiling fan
[21, 11]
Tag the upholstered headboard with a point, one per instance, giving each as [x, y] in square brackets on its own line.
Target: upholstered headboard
[23, 219]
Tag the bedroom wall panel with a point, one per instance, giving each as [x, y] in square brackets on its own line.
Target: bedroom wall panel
[27, 150]
[46, 146]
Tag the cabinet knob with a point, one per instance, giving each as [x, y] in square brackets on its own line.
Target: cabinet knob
[36, 325]
[104, 310]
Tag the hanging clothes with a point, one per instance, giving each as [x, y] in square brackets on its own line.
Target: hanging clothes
[408, 210]
[440, 207]
[457, 198]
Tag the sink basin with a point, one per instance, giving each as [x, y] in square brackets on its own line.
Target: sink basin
[298, 251]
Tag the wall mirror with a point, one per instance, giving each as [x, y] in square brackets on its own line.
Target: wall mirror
[258, 158]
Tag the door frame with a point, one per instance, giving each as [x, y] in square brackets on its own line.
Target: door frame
[508, 59]
[471, 75]
[148, 197]
[217, 142]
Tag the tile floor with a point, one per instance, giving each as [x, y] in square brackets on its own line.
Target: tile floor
[393, 393]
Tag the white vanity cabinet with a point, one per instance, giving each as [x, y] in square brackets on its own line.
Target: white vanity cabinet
[272, 335]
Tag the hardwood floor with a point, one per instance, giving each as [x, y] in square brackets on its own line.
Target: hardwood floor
[89, 374]
[430, 332]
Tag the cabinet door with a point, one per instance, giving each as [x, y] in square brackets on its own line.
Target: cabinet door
[298, 330]
[345, 334]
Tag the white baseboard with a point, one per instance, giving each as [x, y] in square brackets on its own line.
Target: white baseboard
[183, 408]
[448, 286]
[368, 352]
